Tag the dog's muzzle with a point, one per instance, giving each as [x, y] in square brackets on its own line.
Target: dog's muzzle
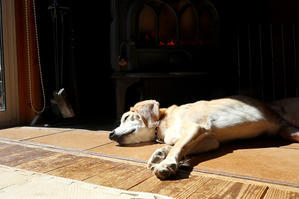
[119, 138]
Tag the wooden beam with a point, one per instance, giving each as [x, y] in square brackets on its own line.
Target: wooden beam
[26, 112]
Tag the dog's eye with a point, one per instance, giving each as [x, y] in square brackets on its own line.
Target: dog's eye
[126, 118]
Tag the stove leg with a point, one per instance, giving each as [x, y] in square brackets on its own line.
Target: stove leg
[121, 88]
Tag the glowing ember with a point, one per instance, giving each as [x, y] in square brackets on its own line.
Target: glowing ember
[147, 37]
[169, 43]
[150, 36]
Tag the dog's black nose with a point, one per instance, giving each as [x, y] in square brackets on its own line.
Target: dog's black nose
[112, 135]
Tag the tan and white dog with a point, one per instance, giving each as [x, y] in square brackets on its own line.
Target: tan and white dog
[202, 126]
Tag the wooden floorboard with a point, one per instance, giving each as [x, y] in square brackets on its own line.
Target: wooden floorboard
[83, 168]
[11, 149]
[49, 163]
[130, 175]
[172, 187]
[123, 176]
[75, 139]
[137, 151]
[278, 193]
[270, 163]
[25, 133]
[215, 188]
[21, 184]
[3, 145]
[22, 157]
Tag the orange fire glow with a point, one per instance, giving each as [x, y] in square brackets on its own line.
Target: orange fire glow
[169, 43]
[151, 36]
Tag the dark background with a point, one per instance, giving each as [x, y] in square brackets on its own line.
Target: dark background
[87, 70]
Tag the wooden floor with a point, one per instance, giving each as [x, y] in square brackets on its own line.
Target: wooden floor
[253, 169]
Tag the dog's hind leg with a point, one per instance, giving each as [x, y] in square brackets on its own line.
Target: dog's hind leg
[193, 136]
[207, 144]
[290, 133]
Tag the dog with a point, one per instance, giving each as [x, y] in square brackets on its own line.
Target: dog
[201, 126]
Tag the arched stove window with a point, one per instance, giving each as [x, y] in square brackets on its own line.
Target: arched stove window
[167, 26]
[176, 23]
[146, 27]
[189, 30]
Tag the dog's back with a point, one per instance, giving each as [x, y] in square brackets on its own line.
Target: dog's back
[232, 118]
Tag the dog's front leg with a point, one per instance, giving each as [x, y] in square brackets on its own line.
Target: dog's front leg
[158, 156]
[191, 137]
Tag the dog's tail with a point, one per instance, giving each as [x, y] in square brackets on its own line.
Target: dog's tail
[288, 109]
[290, 133]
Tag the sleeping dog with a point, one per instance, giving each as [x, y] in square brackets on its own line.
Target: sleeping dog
[201, 126]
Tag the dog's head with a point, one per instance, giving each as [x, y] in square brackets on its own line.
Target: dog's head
[138, 124]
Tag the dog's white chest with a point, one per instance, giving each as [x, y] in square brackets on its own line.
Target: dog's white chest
[174, 133]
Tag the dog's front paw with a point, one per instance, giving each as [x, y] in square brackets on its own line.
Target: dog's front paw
[158, 156]
[165, 168]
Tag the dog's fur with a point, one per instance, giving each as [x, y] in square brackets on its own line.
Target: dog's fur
[202, 126]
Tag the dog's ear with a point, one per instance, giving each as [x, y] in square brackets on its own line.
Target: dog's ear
[149, 111]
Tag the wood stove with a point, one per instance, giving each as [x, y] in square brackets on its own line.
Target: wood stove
[154, 40]
[162, 35]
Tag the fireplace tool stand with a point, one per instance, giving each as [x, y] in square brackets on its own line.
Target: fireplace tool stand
[60, 97]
